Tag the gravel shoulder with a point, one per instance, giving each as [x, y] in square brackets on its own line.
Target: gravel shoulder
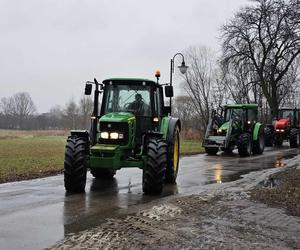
[227, 216]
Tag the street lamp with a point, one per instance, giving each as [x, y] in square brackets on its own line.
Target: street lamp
[182, 69]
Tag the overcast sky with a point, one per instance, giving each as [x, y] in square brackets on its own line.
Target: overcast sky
[49, 48]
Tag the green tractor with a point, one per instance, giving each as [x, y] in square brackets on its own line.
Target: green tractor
[133, 128]
[236, 126]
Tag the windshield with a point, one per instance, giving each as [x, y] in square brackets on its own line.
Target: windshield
[287, 114]
[128, 98]
[233, 113]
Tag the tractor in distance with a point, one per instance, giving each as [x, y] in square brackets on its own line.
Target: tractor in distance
[285, 127]
[235, 125]
[133, 128]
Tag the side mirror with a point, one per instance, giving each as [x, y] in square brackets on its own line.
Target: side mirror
[88, 89]
[169, 91]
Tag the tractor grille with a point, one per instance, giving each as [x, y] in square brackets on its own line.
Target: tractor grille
[119, 127]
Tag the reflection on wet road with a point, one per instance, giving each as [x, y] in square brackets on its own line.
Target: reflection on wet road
[35, 214]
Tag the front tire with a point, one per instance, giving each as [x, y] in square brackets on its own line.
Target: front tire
[173, 157]
[259, 144]
[268, 137]
[74, 169]
[294, 138]
[155, 166]
[245, 144]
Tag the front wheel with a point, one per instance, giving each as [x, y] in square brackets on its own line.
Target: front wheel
[294, 138]
[245, 144]
[74, 169]
[268, 137]
[173, 157]
[155, 166]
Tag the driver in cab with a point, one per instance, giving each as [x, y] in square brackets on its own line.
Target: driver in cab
[138, 106]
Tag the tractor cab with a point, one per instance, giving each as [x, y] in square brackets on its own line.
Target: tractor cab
[137, 100]
[236, 126]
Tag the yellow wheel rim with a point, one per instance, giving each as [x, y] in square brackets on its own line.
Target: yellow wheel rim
[176, 153]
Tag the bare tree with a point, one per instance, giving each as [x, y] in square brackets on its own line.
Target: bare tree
[200, 81]
[18, 107]
[71, 114]
[266, 37]
[85, 109]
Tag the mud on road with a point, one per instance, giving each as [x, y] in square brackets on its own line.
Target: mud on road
[221, 217]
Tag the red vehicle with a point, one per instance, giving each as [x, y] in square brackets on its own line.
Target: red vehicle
[285, 127]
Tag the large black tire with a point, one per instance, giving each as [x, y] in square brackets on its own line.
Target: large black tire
[278, 140]
[74, 169]
[103, 173]
[229, 149]
[211, 151]
[245, 144]
[259, 144]
[173, 157]
[294, 138]
[268, 137]
[155, 166]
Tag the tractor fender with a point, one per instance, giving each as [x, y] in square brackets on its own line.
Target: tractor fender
[81, 133]
[257, 126]
[173, 122]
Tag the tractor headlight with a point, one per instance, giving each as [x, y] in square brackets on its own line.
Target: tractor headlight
[114, 135]
[104, 135]
[219, 130]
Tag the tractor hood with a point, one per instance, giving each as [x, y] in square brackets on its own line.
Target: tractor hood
[224, 126]
[117, 117]
[282, 123]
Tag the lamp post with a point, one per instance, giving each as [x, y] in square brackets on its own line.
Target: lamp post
[182, 69]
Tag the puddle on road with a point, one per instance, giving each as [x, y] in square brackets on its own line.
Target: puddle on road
[220, 173]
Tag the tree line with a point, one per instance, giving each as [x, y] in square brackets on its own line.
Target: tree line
[19, 112]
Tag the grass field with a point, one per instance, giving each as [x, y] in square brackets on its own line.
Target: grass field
[32, 154]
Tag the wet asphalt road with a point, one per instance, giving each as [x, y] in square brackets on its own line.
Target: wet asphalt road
[36, 214]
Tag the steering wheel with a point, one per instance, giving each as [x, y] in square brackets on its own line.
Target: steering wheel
[126, 108]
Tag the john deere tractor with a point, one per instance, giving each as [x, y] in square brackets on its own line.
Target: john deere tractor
[236, 125]
[285, 127]
[132, 129]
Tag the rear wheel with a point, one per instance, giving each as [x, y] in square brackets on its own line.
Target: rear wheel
[173, 158]
[245, 144]
[155, 166]
[103, 173]
[74, 169]
[259, 144]
[268, 137]
[294, 138]
[211, 151]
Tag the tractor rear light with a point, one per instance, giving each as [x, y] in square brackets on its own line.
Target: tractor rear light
[104, 135]
[114, 135]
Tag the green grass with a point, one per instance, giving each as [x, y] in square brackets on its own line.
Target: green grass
[190, 147]
[27, 154]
